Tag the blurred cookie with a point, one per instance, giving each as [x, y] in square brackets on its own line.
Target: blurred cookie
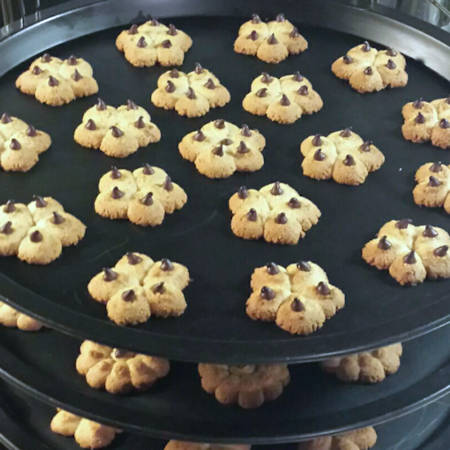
[10, 317]
[360, 439]
[184, 445]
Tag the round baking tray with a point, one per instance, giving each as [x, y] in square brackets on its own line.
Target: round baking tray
[215, 327]
[313, 404]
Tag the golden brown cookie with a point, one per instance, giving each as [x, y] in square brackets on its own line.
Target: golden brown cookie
[10, 317]
[427, 121]
[249, 385]
[283, 100]
[185, 445]
[342, 156]
[276, 213]
[360, 439]
[410, 253]
[56, 82]
[192, 94]
[272, 42]
[370, 70]
[137, 288]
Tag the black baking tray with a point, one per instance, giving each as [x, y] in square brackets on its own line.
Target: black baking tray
[215, 326]
[313, 404]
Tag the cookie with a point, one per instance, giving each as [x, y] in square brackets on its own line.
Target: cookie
[427, 121]
[10, 317]
[117, 132]
[298, 298]
[143, 196]
[137, 288]
[276, 213]
[119, 371]
[272, 42]
[56, 82]
[153, 42]
[342, 156]
[360, 439]
[20, 144]
[370, 70]
[366, 367]
[37, 232]
[184, 445]
[283, 100]
[410, 253]
[87, 434]
[248, 386]
[192, 94]
[220, 148]
[433, 186]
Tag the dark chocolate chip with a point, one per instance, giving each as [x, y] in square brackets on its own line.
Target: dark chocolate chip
[303, 90]
[261, 92]
[245, 130]
[256, 18]
[174, 73]
[226, 141]
[368, 70]
[191, 94]
[72, 60]
[391, 52]
[218, 151]
[433, 181]
[57, 219]
[365, 46]
[297, 305]
[36, 236]
[272, 39]
[154, 22]
[148, 199]
[284, 100]
[418, 103]
[391, 64]
[128, 295]
[166, 43]
[101, 105]
[294, 33]
[266, 78]
[276, 188]
[349, 160]
[347, 59]
[7, 228]
[15, 144]
[116, 132]
[294, 203]
[219, 123]
[410, 258]
[90, 125]
[198, 68]
[322, 288]
[131, 105]
[441, 251]
[346, 132]
[319, 155]
[9, 207]
[141, 43]
[76, 76]
[297, 76]
[429, 231]
[116, 193]
[420, 118]
[365, 146]
[109, 274]
[39, 201]
[384, 244]
[242, 192]
[46, 57]
[115, 173]
[436, 167]
[168, 185]
[403, 223]
[267, 293]
[199, 136]
[31, 131]
[252, 215]
[166, 265]
[170, 87]
[148, 169]
[140, 122]
[159, 288]
[133, 29]
[253, 35]
[304, 266]
[280, 18]
[242, 148]
[133, 259]
[272, 268]
[210, 84]
[36, 70]
[6, 118]
[52, 81]
[317, 140]
[281, 219]
[172, 31]
[444, 123]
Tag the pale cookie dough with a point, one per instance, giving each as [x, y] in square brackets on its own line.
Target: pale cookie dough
[55, 82]
[143, 196]
[369, 70]
[192, 94]
[87, 434]
[10, 317]
[342, 156]
[137, 287]
[220, 148]
[184, 445]
[433, 186]
[410, 253]
[37, 232]
[20, 144]
[361, 439]
[283, 100]
[119, 371]
[153, 42]
[366, 367]
[117, 132]
[272, 42]
[299, 298]
[249, 385]
[276, 213]
[427, 121]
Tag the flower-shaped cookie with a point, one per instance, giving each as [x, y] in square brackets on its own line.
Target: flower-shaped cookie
[20, 144]
[272, 42]
[56, 82]
[361, 439]
[117, 132]
[427, 121]
[342, 156]
[87, 434]
[433, 186]
[192, 94]
[37, 232]
[10, 317]
[220, 148]
[184, 445]
[282, 100]
[137, 287]
[276, 213]
[247, 385]
[411, 253]
[119, 371]
[153, 42]
[366, 367]
[298, 299]
[143, 196]
[368, 69]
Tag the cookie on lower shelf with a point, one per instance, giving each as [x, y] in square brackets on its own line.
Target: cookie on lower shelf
[366, 367]
[20, 144]
[299, 298]
[117, 132]
[119, 371]
[87, 433]
[370, 70]
[342, 156]
[56, 82]
[10, 317]
[427, 121]
[249, 385]
[185, 445]
[410, 253]
[220, 148]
